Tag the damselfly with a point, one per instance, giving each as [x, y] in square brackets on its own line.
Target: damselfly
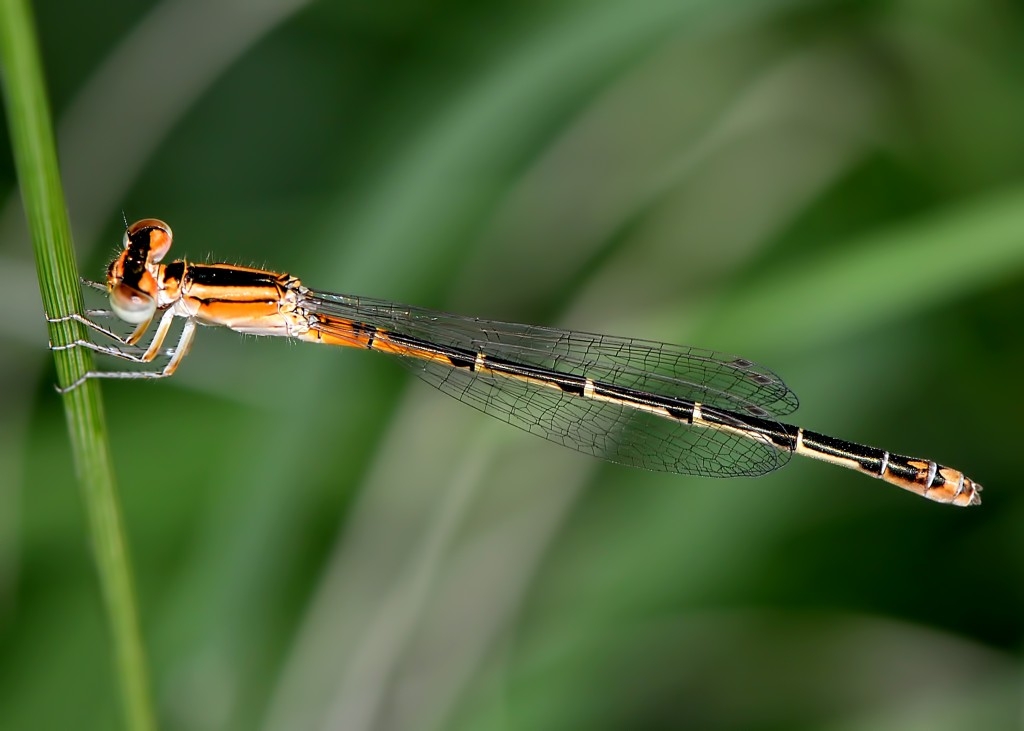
[637, 402]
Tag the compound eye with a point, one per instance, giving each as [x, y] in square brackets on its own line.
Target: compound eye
[131, 305]
[152, 234]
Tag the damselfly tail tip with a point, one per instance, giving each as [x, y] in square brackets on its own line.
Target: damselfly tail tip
[969, 493]
[952, 487]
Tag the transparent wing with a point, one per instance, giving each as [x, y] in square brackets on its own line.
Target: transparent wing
[606, 430]
[692, 374]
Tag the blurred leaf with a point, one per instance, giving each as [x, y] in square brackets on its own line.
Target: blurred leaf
[847, 287]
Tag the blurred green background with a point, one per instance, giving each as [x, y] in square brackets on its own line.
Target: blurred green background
[835, 189]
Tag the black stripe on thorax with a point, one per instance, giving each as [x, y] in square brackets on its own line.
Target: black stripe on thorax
[175, 270]
[218, 276]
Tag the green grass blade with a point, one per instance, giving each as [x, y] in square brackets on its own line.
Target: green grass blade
[36, 161]
[891, 272]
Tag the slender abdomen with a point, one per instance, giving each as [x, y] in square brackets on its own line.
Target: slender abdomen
[924, 477]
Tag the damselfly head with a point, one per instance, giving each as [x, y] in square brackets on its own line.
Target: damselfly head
[151, 236]
[131, 305]
[130, 278]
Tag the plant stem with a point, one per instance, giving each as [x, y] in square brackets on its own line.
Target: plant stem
[39, 178]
